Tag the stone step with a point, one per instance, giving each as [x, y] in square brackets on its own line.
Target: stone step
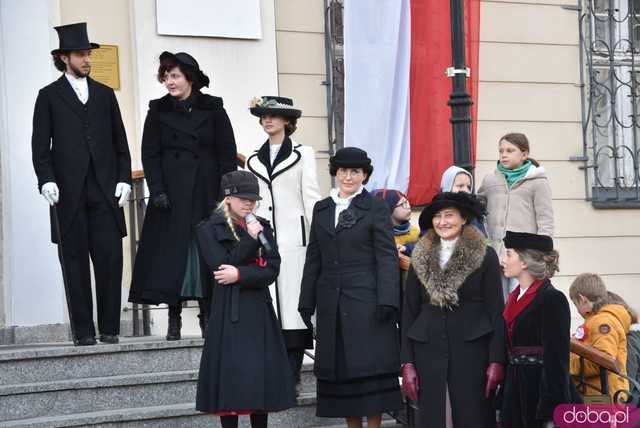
[43, 363]
[180, 415]
[52, 362]
[56, 398]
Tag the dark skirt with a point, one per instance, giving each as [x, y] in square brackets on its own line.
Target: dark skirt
[367, 396]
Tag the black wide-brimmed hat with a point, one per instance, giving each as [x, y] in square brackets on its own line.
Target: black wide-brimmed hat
[469, 205]
[241, 184]
[528, 241]
[188, 61]
[73, 37]
[277, 106]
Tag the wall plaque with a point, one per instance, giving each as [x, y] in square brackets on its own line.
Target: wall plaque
[105, 66]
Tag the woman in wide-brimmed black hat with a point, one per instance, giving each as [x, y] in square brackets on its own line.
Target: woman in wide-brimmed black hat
[286, 171]
[187, 145]
[452, 327]
[351, 282]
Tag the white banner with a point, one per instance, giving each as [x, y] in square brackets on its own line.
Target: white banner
[377, 55]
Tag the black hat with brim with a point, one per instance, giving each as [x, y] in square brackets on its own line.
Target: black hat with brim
[469, 206]
[73, 37]
[350, 157]
[188, 61]
[528, 241]
[241, 184]
[276, 106]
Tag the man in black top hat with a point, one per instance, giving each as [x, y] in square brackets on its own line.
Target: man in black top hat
[82, 160]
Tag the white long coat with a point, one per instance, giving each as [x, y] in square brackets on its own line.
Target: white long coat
[288, 192]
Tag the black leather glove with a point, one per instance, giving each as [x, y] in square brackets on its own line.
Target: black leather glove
[385, 313]
[161, 202]
[306, 315]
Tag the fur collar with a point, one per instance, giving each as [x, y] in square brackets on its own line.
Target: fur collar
[442, 285]
[201, 102]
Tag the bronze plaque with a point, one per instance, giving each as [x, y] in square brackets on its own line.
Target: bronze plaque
[105, 66]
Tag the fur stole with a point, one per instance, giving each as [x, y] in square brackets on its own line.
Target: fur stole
[442, 285]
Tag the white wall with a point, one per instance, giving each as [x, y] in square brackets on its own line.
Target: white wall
[32, 282]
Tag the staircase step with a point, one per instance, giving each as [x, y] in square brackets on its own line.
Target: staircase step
[180, 415]
[61, 362]
[95, 394]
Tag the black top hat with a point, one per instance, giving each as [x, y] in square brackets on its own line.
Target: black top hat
[241, 184]
[277, 106]
[73, 37]
[528, 241]
[188, 61]
[469, 206]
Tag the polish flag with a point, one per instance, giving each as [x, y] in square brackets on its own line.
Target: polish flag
[396, 90]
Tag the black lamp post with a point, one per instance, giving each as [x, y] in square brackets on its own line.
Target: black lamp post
[459, 100]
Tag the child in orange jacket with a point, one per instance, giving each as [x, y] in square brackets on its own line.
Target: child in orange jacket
[607, 322]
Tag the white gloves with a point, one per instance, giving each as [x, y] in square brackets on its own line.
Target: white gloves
[50, 192]
[122, 191]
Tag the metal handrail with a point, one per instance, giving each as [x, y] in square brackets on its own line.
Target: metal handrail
[606, 364]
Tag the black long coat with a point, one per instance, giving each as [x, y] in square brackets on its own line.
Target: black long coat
[531, 392]
[184, 155]
[451, 345]
[347, 273]
[68, 136]
[244, 362]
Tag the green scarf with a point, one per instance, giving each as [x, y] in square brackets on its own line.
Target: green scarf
[513, 175]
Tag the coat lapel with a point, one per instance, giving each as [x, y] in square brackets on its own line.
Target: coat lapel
[92, 102]
[359, 207]
[326, 214]
[258, 168]
[285, 164]
[69, 96]
[534, 303]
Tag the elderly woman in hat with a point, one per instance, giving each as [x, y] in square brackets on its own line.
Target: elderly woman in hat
[452, 328]
[537, 322]
[350, 281]
[286, 172]
[187, 145]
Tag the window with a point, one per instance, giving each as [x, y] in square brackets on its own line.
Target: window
[610, 38]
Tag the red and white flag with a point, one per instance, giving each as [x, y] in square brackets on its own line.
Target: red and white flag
[396, 90]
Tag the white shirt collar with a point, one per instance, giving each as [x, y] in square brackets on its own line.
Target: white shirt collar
[80, 87]
[343, 201]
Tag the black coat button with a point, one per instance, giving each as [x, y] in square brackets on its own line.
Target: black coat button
[270, 208]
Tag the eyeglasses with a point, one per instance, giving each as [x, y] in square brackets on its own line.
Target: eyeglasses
[404, 204]
[342, 173]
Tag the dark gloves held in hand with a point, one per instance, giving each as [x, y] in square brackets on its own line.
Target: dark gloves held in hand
[161, 202]
[306, 315]
[410, 381]
[495, 376]
[385, 313]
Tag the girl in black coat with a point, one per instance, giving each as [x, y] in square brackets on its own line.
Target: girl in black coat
[351, 278]
[452, 328]
[537, 322]
[244, 367]
[187, 145]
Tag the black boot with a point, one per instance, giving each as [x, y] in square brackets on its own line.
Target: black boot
[204, 321]
[175, 323]
[203, 318]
